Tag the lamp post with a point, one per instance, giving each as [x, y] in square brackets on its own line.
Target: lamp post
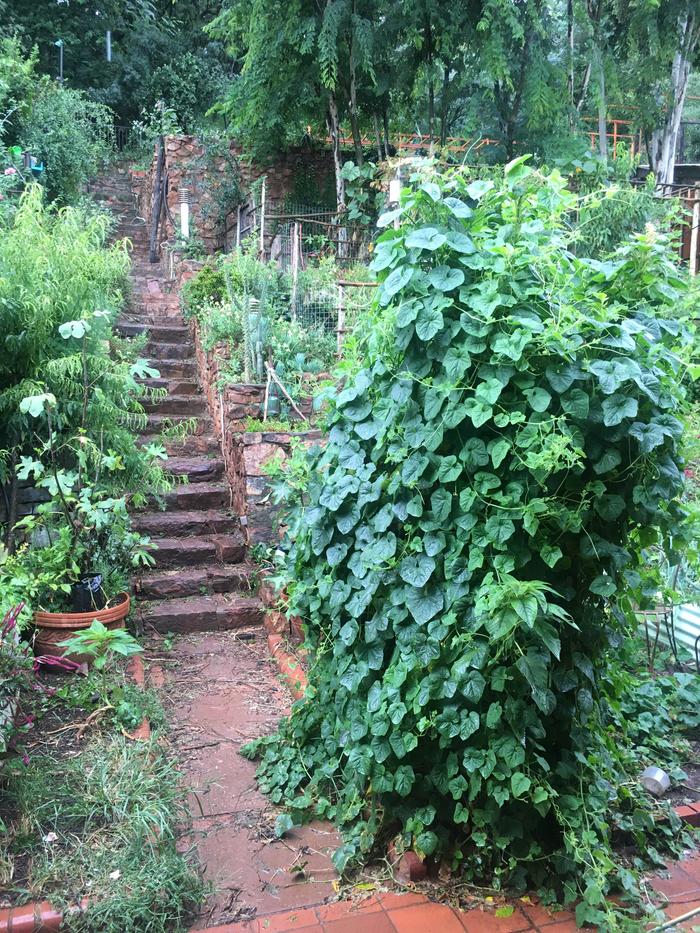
[184, 213]
[59, 46]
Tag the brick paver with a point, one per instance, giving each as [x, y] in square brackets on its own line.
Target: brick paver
[390, 912]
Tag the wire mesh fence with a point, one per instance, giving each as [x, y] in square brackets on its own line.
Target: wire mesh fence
[298, 234]
[298, 238]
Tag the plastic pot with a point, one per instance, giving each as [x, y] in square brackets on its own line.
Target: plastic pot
[88, 595]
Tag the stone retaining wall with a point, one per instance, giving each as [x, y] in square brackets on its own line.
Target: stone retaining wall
[251, 451]
[187, 166]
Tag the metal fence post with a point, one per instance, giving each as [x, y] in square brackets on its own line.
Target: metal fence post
[694, 239]
[296, 248]
[341, 318]
[262, 218]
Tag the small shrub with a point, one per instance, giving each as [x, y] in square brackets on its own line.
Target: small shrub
[206, 287]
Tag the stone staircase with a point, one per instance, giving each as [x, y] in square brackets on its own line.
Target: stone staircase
[201, 580]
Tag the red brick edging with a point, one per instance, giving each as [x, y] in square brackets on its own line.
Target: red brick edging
[289, 666]
[40, 916]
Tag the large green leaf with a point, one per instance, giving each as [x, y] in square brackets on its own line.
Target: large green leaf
[539, 399]
[612, 374]
[445, 278]
[417, 569]
[397, 280]
[617, 408]
[428, 238]
[424, 604]
[428, 322]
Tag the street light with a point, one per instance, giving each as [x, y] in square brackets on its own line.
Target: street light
[59, 46]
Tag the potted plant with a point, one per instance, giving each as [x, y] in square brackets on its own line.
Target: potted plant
[83, 533]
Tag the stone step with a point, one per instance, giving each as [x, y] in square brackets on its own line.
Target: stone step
[174, 333]
[170, 369]
[202, 613]
[184, 522]
[195, 581]
[159, 350]
[188, 406]
[174, 386]
[196, 469]
[196, 550]
[198, 496]
[155, 423]
[192, 446]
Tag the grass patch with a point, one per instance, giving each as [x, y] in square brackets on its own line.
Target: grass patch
[277, 425]
[85, 812]
[101, 824]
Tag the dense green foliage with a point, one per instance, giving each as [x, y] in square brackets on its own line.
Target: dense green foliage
[470, 543]
[70, 402]
[70, 134]
[158, 49]
[527, 75]
[65, 131]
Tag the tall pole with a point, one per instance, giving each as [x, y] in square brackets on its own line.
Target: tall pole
[59, 45]
[262, 218]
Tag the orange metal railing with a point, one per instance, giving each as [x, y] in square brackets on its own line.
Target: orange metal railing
[618, 131]
[418, 142]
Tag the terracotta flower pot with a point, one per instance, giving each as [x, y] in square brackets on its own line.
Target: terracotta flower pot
[55, 627]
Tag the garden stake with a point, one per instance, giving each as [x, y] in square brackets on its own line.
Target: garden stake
[273, 375]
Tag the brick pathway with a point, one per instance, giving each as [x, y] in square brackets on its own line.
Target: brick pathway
[414, 913]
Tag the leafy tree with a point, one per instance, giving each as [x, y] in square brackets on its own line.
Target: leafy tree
[661, 42]
[69, 133]
[469, 545]
[190, 85]
[147, 36]
[60, 290]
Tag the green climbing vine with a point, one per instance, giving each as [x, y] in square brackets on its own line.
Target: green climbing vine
[468, 548]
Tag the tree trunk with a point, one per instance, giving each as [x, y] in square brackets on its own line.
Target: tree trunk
[385, 120]
[445, 103]
[354, 122]
[378, 137]
[584, 87]
[570, 46]
[334, 133]
[356, 136]
[662, 151]
[431, 82]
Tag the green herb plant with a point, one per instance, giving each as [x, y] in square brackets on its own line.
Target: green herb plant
[102, 644]
[468, 549]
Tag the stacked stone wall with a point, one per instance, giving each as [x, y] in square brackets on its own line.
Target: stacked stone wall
[187, 166]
